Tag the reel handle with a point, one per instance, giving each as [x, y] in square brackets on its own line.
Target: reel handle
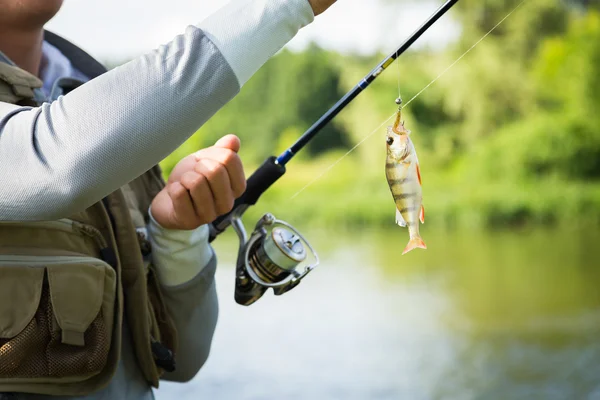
[262, 179]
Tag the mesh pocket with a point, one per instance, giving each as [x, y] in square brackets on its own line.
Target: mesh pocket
[38, 352]
[56, 318]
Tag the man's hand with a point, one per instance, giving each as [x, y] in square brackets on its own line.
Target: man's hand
[201, 187]
[319, 6]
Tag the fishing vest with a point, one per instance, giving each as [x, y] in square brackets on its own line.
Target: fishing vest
[66, 285]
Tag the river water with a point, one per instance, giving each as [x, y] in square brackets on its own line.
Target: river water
[479, 315]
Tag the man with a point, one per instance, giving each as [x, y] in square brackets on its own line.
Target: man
[70, 154]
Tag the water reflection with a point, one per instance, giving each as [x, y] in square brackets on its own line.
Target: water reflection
[477, 316]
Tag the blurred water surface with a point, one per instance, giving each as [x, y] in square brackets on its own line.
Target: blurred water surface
[495, 315]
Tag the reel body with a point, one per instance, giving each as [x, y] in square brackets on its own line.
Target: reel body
[272, 257]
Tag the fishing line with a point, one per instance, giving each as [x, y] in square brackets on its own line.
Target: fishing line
[344, 156]
[410, 101]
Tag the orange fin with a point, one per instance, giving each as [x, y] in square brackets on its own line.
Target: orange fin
[422, 214]
[414, 244]
[419, 174]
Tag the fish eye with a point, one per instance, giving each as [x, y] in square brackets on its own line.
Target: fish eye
[390, 140]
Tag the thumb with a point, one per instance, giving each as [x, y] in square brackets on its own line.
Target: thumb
[230, 142]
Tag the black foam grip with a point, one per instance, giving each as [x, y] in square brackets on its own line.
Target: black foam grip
[262, 179]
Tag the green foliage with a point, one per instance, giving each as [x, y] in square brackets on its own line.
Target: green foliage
[509, 136]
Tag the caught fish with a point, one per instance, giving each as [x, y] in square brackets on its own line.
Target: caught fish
[404, 179]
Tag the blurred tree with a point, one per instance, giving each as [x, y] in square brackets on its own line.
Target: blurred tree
[313, 86]
[560, 136]
[567, 75]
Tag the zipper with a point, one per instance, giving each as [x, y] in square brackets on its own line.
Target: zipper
[106, 252]
[91, 232]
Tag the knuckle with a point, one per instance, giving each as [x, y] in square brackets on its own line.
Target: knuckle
[212, 170]
[219, 170]
[198, 182]
[199, 167]
[230, 157]
[195, 181]
[177, 192]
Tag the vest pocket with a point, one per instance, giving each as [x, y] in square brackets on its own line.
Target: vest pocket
[56, 318]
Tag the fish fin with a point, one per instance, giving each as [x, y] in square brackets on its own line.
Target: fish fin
[422, 214]
[416, 156]
[399, 219]
[419, 174]
[414, 243]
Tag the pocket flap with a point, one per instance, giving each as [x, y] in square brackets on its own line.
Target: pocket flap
[20, 292]
[76, 294]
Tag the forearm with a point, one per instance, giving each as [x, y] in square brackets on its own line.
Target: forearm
[62, 157]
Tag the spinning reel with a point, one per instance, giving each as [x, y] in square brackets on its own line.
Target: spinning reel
[272, 257]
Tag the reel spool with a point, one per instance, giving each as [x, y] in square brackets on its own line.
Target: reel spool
[271, 258]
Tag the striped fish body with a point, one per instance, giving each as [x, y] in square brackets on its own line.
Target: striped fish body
[404, 179]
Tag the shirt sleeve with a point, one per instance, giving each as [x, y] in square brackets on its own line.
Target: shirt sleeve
[62, 157]
[177, 255]
[194, 308]
[267, 25]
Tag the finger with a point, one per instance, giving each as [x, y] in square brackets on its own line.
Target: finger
[232, 163]
[202, 197]
[220, 185]
[184, 213]
[230, 142]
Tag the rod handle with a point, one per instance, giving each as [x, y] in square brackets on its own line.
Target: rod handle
[262, 179]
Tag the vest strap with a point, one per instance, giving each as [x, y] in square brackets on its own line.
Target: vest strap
[19, 85]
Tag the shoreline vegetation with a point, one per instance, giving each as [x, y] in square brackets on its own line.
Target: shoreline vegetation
[508, 138]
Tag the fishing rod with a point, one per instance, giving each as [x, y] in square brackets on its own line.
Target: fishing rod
[271, 260]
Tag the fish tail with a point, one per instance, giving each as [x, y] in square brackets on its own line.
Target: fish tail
[415, 243]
